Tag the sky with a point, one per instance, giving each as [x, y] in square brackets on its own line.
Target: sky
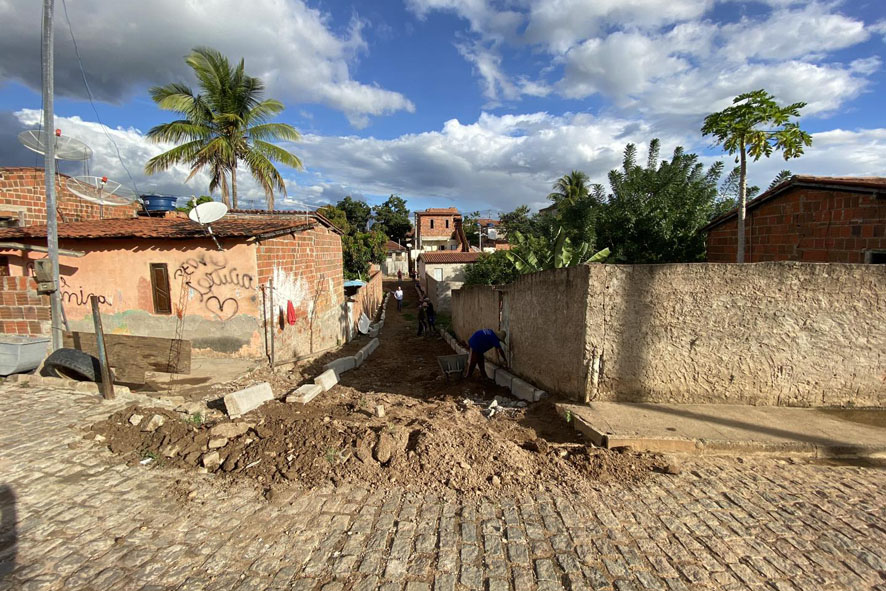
[476, 104]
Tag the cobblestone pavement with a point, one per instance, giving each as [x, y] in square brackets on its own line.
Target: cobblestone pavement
[75, 518]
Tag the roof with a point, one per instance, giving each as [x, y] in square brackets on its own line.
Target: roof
[438, 211]
[170, 228]
[390, 245]
[449, 256]
[487, 222]
[289, 213]
[871, 184]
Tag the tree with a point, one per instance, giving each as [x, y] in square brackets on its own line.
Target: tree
[392, 217]
[754, 126]
[357, 212]
[578, 205]
[469, 223]
[227, 123]
[493, 268]
[359, 250]
[337, 216]
[531, 254]
[655, 212]
[192, 203]
[518, 220]
[781, 177]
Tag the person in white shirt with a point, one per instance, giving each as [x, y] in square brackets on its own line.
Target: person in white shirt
[398, 295]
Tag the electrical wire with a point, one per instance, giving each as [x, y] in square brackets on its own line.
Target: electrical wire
[92, 101]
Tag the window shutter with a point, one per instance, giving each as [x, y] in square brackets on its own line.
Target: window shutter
[160, 288]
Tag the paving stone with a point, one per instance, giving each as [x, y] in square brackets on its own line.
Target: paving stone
[305, 393]
[242, 401]
[327, 379]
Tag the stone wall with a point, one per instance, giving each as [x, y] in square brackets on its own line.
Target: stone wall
[792, 334]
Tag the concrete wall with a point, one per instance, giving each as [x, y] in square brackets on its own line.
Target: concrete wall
[790, 334]
[395, 261]
[440, 293]
[448, 271]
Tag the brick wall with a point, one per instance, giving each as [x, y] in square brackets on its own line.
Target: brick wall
[440, 229]
[306, 268]
[22, 196]
[22, 310]
[805, 224]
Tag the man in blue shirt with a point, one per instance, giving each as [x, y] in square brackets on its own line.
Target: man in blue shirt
[481, 341]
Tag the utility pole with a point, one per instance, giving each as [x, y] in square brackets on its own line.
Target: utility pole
[49, 168]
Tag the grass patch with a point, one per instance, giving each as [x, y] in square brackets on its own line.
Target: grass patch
[408, 317]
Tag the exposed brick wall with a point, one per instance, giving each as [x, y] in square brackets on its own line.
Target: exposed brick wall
[23, 196]
[440, 229]
[307, 270]
[805, 224]
[22, 310]
[368, 298]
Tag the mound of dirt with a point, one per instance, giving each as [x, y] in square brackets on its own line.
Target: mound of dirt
[441, 446]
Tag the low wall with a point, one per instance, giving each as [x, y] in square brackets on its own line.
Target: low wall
[367, 299]
[791, 334]
[440, 293]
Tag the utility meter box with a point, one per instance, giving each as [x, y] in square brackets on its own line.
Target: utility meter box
[43, 275]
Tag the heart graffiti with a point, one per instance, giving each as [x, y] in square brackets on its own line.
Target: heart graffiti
[224, 309]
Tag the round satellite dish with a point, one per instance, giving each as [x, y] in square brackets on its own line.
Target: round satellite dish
[100, 190]
[208, 212]
[66, 148]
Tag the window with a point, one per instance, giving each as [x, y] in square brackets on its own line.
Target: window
[4, 266]
[160, 288]
[441, 247]
[438, 274]
[875, 257]
[447, 223]
[432, 224]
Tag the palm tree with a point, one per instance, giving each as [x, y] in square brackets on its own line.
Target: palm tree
[228, 122]
[570, 188]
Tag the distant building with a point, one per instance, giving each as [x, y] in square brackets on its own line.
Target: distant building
[808, 218]
[396, 259]
[435, 229]
[445, 265]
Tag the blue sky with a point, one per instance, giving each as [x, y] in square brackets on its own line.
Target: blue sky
[466, 102]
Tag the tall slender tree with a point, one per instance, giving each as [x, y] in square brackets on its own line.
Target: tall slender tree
[228, 122]
[754, 126]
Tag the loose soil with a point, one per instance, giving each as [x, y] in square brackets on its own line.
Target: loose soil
[434, 434]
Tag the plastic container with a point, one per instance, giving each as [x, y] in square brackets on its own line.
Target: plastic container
[19, 353]
[159, 202]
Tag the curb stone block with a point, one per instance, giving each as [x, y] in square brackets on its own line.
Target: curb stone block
[491, 368]
[242, 401]
[503, 378]
[305, 393]
[359, 357]
[373, 332]
[327, 379]
[522, 389]
[539, 394]
[341, 365]
[370, 348]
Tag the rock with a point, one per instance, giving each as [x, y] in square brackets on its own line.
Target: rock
[136, 419]
[539, 446]
[211, 461]
[380, 410]
[672, 465]
[171, 450]
[230, 430]
[155, 423]
[365, 445]
[217, 442]
[495, 480]
[384, 449]
[264, 431]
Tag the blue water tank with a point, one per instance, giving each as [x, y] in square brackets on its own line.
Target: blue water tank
[159, 202]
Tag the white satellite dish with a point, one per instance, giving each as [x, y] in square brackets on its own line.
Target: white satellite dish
[208, 212]
[66, 148]
[100, 190]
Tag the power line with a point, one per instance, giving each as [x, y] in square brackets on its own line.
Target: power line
[92, 102]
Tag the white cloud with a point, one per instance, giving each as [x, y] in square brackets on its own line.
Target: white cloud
[128, 45]
[483, 16]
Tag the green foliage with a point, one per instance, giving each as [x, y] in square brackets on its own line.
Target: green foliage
[531, 254]
[359, 250]
[781, 177]
[191, 204]
[578, 206]
[729, 188]
[226, 124]
[392, 218]
[195, 419]
[357, 212]
[518, 220]
[337, 216]
[469, 223]
[654, 212]
[491, 269]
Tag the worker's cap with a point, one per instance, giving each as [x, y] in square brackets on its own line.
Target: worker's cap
[502, 335]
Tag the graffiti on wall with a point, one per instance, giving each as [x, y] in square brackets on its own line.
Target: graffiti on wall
[76, 296]
[209, 276]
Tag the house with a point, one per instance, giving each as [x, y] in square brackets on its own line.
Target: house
[445, 265]
[396, 259]
[808, 218]
[23, 200]
[435, 229]
[154, 276]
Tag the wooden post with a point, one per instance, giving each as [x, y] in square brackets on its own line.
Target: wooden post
[107, 384]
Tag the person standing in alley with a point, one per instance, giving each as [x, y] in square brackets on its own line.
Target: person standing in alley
[422, 318]
[480, 342]
[431, 315]
[398, 295]
[400, 275]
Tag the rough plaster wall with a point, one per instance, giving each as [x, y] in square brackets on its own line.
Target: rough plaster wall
[767, 333]
[440, 293]
[474, 307]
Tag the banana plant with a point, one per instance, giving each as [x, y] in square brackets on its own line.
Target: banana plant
[531, 254]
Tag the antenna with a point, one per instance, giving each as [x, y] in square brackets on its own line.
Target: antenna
[66, 148]
[100, 190]
[206, 213]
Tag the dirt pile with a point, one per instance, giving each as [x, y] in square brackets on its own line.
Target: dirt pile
[436, 446]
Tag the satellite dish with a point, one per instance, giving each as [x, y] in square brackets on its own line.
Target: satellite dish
[100, 190]
[66, 148]
[208, 212]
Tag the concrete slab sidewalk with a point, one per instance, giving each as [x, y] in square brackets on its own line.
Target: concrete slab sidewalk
[722, 429]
